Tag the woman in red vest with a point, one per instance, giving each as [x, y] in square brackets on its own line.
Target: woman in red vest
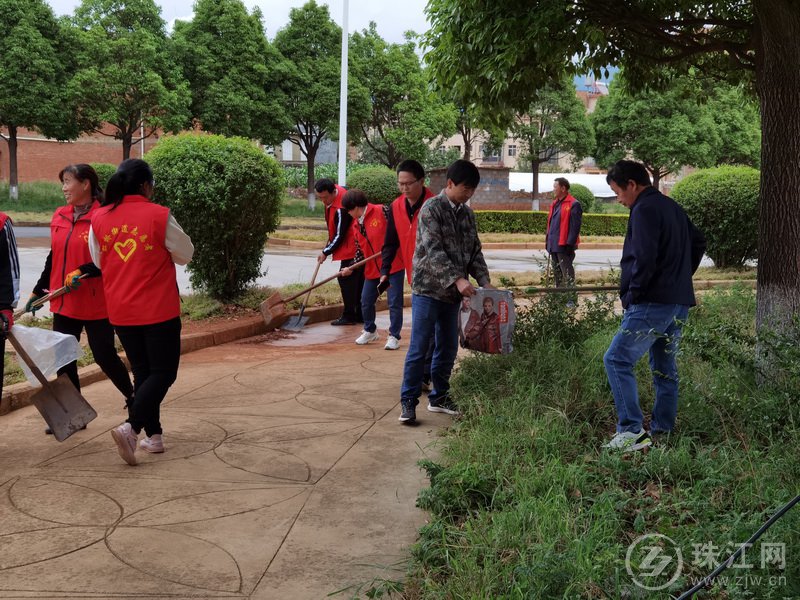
[136, 244]
[84, 307]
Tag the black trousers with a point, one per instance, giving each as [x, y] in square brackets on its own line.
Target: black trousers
[563, 270]
[100, 334]
[154, 352]
[351, 292]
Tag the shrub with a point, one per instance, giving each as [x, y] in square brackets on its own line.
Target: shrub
[296, 177]
[518, 221]
[378, 183]
[104, 172]
[226, 194]
[723, 203]
[583, 195]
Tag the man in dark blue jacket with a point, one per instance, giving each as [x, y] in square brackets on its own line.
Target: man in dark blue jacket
[662, 251]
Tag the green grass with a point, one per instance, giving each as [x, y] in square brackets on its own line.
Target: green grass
[34, 197]
[298, 208]
[524, 503]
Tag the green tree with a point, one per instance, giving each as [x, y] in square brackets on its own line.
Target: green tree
[555, 121]
[664, 129]
[35, 51]
[232, 70]
[405, 115]
[311, 43]
[127, 77]
[499, 54]
[735, 114]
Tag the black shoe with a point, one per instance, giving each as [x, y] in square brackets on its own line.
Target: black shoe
[343, 321]
[408, 412]
[443, 405]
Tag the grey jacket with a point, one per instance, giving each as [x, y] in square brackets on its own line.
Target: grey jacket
[447, 249]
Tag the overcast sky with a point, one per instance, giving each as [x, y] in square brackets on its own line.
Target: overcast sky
[392, 17]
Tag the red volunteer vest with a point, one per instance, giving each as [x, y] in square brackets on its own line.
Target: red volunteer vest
[347, 249]
[3, 218]
[70, 245]
[375, 228]
[563, 229]
[407, 229]
[138, 272]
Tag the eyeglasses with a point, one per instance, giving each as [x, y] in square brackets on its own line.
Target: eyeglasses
[402, 184]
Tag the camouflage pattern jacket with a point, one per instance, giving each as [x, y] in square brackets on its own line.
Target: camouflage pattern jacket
[447, 249]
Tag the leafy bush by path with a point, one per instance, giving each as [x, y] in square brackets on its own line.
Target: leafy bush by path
[723, 203]
[378, 183]
[583, 195]
[517, 221]
[525, 504]
[104, 172]
[226, 194]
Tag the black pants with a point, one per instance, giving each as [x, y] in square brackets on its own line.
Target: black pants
[351, 292]
[100, 334]
[154, 352]
[562, 268]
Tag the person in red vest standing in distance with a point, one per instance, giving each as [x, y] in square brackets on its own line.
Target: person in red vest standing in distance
[369, 229]
[563, 232]
[84, 307]
[9, 282]
[341, 246]
[136, 245]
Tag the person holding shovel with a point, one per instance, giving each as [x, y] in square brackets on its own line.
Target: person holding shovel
[136, 244]
[369, 229]
[341, 246]
[70, 264]
[9, 282]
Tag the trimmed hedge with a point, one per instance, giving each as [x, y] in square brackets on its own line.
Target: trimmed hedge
[518, 221]
[378, 183]
[104, 172]
[723, 203]
[583, 195]
[226, 194]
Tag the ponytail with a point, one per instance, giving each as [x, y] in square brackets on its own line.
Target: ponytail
[131, 175]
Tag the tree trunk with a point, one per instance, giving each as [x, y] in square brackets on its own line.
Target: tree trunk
[127, 142]
[311, 155]
[656, 178]
[778, 81]
[467, 137]
[13, 182]
[535, 170]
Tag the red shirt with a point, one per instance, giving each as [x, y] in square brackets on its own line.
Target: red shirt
[347, 248]
[138, 272]
[69, 242]
[374, 226]
[407, 229]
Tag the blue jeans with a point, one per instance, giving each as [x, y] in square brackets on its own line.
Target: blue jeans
[369, 296]
[646, 327]
[430, 318]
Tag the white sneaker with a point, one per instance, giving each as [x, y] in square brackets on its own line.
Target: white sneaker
[630, 442]
[126, 439]
[153, 444]
[392, 343]
[366, 337]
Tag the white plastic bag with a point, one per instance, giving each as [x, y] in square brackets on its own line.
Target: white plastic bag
[49, 350]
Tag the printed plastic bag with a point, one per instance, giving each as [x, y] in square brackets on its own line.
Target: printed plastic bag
[486, 321]
[49, 350]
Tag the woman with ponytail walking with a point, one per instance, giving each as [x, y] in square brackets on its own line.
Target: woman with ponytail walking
[136, 244]
[70, 264]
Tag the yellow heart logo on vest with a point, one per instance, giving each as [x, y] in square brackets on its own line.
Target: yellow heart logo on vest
[125, 249]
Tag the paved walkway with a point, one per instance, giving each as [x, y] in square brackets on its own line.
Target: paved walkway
[286, 476]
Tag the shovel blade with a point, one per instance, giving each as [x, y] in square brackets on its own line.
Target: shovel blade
[63, 407]
[295, 324]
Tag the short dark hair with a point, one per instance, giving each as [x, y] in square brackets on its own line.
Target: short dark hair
[463, 171]
[624, 171]
[325, 185]
[413, 167]
[354, 198]
[562, 181]
[83, 172]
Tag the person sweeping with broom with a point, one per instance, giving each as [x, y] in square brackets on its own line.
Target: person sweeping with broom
[136, 244]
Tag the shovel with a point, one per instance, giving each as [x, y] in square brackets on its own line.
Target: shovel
[64, 409]
[273, 309]
[297, 323]
[46, 298]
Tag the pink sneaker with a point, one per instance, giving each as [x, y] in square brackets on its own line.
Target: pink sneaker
[126, 439]
[153, 444]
